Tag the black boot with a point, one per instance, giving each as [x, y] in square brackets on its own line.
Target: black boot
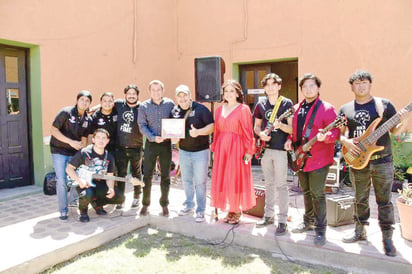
[388, 246]
[358, 235]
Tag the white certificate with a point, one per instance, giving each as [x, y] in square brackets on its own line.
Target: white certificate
[173, 128]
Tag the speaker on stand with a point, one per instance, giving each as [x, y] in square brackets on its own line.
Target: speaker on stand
[209, 73]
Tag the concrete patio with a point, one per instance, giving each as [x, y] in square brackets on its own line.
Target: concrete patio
[34, 238]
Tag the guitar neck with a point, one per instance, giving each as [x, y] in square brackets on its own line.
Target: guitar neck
[309, 144]
[109, 177]
[394, 120]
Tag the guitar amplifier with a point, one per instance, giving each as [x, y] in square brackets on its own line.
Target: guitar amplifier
[339, 210]
[259, 209]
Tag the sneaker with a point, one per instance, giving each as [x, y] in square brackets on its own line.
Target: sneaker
[302, 228]
[63, 216]
[186, 211]
[84, 218]
[265, 221]
[281, 229]
[100, 211]
[119, 206]
[136, 203]
[200, 217]
[320, 239]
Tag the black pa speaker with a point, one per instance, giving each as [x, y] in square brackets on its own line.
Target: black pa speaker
[209, 78]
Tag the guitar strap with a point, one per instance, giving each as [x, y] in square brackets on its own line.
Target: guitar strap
[312, 119]
[275, 109]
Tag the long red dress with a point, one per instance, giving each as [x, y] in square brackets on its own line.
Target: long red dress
[232, 181]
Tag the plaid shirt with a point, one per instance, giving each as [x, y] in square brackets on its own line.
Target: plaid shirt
[150, 117]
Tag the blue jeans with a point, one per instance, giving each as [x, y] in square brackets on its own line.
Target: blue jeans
[194, 169]
[60, 162]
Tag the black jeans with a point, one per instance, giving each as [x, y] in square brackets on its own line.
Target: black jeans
[381, 176]
[97, 196]
[152, 151]
[122, 157]
[313, 186]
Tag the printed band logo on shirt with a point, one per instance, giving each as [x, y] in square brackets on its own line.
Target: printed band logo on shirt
[99, 165]
[361, 118]
[101, 122]
[268, 113]
[72, 119]
[128, 117]
[176, 112]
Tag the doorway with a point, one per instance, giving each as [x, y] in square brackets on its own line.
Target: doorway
[15, 167]
[252, 74]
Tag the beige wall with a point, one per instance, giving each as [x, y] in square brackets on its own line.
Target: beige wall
[102, 45]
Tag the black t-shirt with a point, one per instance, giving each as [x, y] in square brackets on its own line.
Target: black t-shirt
[128, 133]
[199, 118]
[109, 123]
[263, 111]
[303, 112]
[101, 164]
[72, 126]
[359, 117]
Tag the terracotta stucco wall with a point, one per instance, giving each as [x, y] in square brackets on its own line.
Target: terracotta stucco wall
[102, 45]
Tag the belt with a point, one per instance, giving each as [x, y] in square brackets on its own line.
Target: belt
[378, 156]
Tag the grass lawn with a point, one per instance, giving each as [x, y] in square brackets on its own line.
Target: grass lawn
[150, 250]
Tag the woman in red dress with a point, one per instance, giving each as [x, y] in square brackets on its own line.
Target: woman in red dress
[233, 146]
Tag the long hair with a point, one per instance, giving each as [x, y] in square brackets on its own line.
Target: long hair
[237, 87]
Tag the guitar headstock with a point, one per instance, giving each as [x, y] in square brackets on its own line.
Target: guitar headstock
[340, 121]
[134, 181]
[409, 107]
[289, 112]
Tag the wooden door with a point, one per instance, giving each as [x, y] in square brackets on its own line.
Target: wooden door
[15, 168]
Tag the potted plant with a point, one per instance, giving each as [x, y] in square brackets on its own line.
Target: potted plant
[402, 158]
[404, 203]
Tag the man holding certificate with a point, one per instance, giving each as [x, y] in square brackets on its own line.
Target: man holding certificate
[193, 150]
[151, 114]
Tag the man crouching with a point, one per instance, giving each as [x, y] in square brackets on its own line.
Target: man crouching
[94, 159]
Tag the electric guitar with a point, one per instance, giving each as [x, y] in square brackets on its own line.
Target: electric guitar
[88, 175]
[299, 156]
[367, 142]
[260, 144]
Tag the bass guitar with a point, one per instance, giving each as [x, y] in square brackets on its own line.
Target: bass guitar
[299, 156]
[88, 175]
[367, 142]
[260, 144]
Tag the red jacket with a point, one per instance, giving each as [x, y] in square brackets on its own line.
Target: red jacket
[322, 152]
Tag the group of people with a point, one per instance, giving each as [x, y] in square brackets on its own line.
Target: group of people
[117, 128]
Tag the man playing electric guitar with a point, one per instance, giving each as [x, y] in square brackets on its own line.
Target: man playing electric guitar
[361, 113]
[101, 160]
[311, 117]
[274, 160]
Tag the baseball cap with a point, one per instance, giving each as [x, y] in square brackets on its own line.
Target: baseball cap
[182, 88]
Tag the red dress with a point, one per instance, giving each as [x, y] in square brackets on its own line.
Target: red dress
[232, 181]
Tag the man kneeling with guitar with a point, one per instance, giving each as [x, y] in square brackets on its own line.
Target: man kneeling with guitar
[369, 154]
[95, 160]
